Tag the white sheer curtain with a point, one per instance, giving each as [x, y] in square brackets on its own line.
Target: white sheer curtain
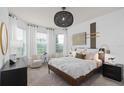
[13, 26]
[17, 36]
[65, 47]
[31, 41]
[63, 32]
[51, 43]
[31, 30]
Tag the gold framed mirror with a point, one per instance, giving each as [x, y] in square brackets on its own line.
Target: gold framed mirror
[3, 38]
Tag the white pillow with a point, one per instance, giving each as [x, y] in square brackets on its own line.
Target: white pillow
[89, 55]
[73, 53]
[79, 50]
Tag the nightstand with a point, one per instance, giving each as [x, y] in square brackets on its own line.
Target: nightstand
[113, 71]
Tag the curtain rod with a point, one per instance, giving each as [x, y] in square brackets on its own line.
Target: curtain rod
[35, 25]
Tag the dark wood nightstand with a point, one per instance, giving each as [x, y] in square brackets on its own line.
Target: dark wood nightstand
[113, 71]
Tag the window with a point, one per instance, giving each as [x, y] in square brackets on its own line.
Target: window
[18, 42]
[59, 43]
[41, 40]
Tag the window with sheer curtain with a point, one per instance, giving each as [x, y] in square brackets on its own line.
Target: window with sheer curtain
[59, 43]
[18, 42]
[41, 41]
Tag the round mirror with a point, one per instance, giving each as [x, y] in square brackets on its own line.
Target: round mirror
[3, 38]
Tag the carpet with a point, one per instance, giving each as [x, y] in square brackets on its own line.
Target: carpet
[40, 77]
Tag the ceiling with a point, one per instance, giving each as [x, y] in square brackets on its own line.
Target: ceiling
[44, 16]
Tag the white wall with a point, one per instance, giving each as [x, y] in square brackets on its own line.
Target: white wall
[111, 28]
[4, 18]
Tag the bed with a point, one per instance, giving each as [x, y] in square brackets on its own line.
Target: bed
[74, 70]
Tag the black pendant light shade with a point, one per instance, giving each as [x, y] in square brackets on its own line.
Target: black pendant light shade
[63, 18]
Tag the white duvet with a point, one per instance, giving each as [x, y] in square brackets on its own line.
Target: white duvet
[73, 66]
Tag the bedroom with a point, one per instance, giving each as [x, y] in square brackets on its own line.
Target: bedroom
[42, 43]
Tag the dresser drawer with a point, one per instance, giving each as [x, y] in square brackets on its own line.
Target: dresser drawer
[112, 76]
[16, 77]
[111, 67]
[112, 71]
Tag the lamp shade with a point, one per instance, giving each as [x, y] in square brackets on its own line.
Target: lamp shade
[106, 47]
[63, 19]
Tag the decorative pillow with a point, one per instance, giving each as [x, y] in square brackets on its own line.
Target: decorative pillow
[90, 56]
[81, 56]
[73, 53]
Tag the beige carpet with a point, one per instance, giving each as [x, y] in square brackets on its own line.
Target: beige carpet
[40, 77]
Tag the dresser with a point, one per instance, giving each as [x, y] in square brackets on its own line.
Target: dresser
[14, 75]
[113, 71]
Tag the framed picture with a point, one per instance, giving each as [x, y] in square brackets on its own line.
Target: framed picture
[79, 39]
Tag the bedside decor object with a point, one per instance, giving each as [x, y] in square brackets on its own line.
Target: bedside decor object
[3, 38]
[106, 47]
[113, 71]
[110, 59]
[101, 54]
[63, 18]
[11, 62]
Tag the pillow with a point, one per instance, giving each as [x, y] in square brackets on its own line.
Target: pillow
[89, 55]
[81, 56]
[79, 50]
[73, 53]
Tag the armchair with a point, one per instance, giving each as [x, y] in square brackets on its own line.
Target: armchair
[36, 61]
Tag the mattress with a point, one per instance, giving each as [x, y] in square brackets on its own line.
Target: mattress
[74, 67]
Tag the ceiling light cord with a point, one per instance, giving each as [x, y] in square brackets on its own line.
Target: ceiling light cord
[63, 8]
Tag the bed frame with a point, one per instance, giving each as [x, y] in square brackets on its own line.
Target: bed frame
[71, 80]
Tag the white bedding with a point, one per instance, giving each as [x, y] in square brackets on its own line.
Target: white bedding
[73, 66]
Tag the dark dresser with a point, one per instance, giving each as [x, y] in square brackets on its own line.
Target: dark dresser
[14, 75]
[113, 71]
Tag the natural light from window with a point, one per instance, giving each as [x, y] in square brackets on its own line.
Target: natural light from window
[19, 34]
[59, 43]
[18, 42]
[41, 39]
